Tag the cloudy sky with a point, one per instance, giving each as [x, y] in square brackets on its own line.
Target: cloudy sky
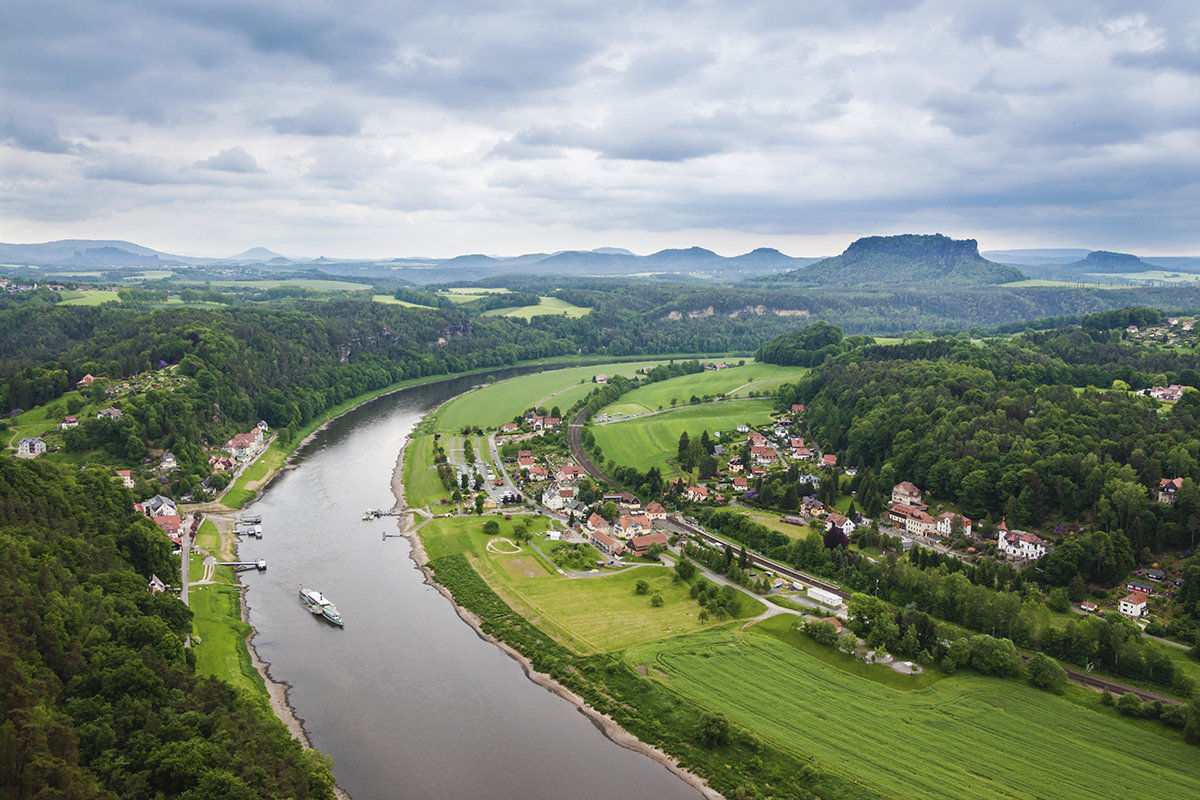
[377, 128]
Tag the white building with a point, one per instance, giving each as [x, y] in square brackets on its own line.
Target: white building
[946, 521]
[1020, 544]
[824, 597]
[1133, 605]
[30, 447]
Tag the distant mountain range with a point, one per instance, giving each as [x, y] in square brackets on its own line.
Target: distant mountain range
[874, 261]
[909, 260]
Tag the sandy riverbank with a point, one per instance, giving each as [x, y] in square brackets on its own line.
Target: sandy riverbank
[606, 725]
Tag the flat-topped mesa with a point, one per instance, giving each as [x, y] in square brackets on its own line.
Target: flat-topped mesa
[916, 245]
[910, 261]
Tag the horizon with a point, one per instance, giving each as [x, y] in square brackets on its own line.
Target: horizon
[366, 130]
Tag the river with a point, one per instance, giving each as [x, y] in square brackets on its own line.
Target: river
[407, 699]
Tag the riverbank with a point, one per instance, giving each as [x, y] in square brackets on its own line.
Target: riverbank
[605, 724]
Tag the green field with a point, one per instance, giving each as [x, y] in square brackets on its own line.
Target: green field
[589, 615]
[1163, 275]
[219, 635]
[489, 406]
[388, 300]
[422, 485]
[466, 294]
[965, 737]
[650, 441]
[88, 297]
[549, 306]
[753, 377]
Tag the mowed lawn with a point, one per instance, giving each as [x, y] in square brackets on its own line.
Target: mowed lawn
[966, 736]
[649, 441]
[490, 406]
[549, 306]
[422, 485]
[589, 614]
[220, 635]
[744, 379]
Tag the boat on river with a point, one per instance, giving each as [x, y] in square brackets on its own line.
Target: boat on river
[318, 603]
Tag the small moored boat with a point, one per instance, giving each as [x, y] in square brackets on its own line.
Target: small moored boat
[318, 603]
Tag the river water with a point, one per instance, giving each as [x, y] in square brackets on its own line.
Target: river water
[407, 699]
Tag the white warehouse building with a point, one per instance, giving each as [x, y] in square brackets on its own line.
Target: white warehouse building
[824, 597]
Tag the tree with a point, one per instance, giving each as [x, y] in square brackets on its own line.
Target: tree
[656, 599]
[1059, 600]
[684, 568]
[608, 510]
[1045, 673]
[712, 730]
[478, 504]
[491, 528]
[641, 587]
[684, 446]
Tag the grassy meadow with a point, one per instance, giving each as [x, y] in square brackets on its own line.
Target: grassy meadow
[302, 283]
[752, 377]
[650, 441]
[964, 736]
[548, 306]
[219, 634]
[88, 297]
[595, 614]
[489, 406]
[388, 300]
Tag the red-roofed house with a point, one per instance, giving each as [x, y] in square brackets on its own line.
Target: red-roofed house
[69, 422]
[638, 545]
[510, 427]
[802, 453]
[630, 525]
[1020, 544]
[740, 484]
[914, 520]
[696, 494]
[829, 460]
[596, 523]
[126, 477]
[763, 455]
[654, 510]
[798, 408]
[571, 473]
[538, 473]
[170, 524]
[1133, 605]
[606, 543]
[757, 439]
[907, 494]
[1167, 490]
[85, 381]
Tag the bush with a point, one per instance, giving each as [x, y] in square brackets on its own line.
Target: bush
[713, 730]
[656, 599]
[641, 587]
[1130, 705]
[1045, 673]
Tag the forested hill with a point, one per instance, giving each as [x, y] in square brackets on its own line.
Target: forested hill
[910, 260]
[100, 698]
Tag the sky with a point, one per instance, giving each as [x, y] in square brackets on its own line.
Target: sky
[386, 128]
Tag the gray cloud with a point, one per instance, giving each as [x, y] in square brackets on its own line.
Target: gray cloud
[324, 119]
[777, 118]
[235, 159]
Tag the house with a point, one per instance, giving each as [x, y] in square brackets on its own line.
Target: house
[110, 413]
[835, 622]
[244, 445]
[1154, 574]
[1088, 607]
[735, 464]
[655, 511]
[1020, 544]
[30, 447]
[740, 484]
[829, 460]
[802, 453]
[538, 473]
[844, 524]
[596, 523]
[757, 440]
[763, 456]
[812, 506]
[945, 523]
[168, 461]
[1133, 605]
[170, 524]
[160, 506]
[571, 473]
[796, 443]
[631, 525]
[126, 477]
[85, 381]
[556, 498]
[629, 504]
[1169, 394]
[696, 494]
[1168, 488]
[69, 422]
[156, 584]
[639, 545]
[601, 378]
[510, 427]
[797, 408]
[525, 459]
[606, 543]
[1141, 588]
[914, 520]
[743, 428]
[907, 494]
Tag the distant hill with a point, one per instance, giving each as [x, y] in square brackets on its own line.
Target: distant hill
[259, 255]
[1036, 257]
[1106, 263]
[84, 252]
[907, 261]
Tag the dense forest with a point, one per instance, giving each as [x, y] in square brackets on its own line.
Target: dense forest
[100, 698]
